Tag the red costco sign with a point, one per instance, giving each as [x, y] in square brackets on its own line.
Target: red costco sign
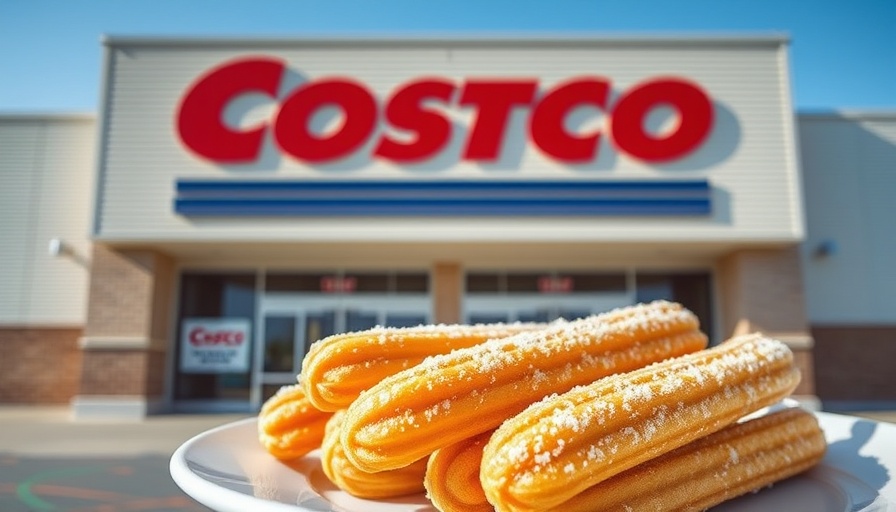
[215, 345]
[415, 131]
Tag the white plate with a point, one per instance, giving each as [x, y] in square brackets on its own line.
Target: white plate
[226, 469]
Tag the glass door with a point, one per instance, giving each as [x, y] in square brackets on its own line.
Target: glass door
[289, 325]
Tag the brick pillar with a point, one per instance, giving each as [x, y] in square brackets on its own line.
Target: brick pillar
[762, 290]
[447, 292]
[125, 342]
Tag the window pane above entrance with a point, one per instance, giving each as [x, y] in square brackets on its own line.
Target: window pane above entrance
[545, 282]
[406, 282]
[542, 295]
[306, 282]
[340, 282]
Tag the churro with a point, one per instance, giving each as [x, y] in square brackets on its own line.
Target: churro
[566, 443]
[337, 368]
[289, 426]
[741, 458]
[452, 476]
[454, 396]
[385, 484]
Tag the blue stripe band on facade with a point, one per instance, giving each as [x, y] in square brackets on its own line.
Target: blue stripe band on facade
[192, 186]
[441, 198]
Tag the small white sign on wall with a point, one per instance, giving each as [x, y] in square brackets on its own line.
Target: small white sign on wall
[215, 345]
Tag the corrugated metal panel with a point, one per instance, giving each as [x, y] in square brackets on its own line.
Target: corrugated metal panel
[878, 152]
[748, 159]
[19, 147]
[46, 174]
[850, 168]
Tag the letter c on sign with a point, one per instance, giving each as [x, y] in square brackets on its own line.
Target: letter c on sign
[196, 336]
[546, 125]
[200, 116]
[695, 119]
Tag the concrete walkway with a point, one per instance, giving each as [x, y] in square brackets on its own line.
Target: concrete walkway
[50, 431]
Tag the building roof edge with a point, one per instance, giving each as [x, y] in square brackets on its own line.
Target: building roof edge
[499, 38]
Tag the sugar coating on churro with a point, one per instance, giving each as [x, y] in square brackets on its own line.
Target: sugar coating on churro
[636, 399]
[499, 353]
[592, 432]
[579, 334]
[397, 336]
[741, 458]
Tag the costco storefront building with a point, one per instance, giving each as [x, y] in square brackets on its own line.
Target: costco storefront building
[248, 197]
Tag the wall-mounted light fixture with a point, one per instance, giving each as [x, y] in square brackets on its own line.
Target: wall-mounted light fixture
[58, 248]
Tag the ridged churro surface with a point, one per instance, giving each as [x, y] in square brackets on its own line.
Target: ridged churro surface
[289, 426]
[338, 368]
[452, 476]
[564, 444]
[385, 484]
[451, 397]
[741, 458]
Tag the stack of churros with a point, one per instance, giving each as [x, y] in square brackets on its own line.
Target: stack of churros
[450, 397]
[626, 410]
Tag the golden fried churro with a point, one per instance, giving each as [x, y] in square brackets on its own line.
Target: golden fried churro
[385, 484]
[337, 368]
[452, 476]
[736, 460]
[289, 426]
[450, 397]
[564, 444]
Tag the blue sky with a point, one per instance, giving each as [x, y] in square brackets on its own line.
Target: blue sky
[843, 52]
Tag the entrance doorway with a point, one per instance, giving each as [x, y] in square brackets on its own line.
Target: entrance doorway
[290, 323]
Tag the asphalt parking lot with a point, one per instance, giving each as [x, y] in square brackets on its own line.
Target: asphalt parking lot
[49, 463]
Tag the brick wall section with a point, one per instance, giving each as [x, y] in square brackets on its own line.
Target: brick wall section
[764, 289]
[120, 293]
[120, 372]
[39, 365]
[855, 363]
[130, 296]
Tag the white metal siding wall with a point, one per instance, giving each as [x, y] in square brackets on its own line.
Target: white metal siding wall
[849, 163]
[46, 178]
[749, 158]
